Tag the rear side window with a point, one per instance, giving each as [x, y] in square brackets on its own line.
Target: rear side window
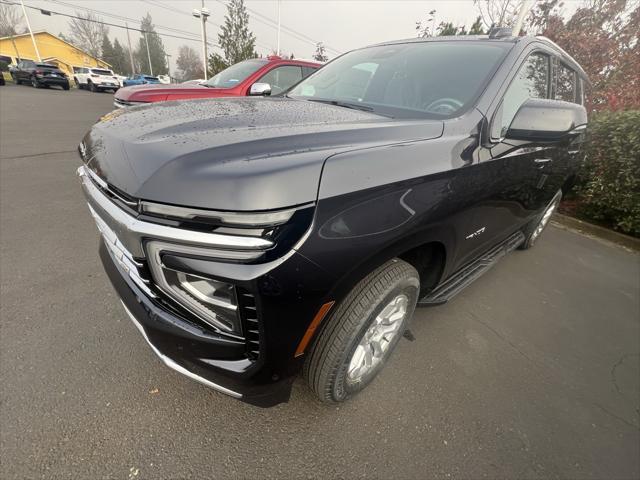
[282, 78]
[565, 84]
[99, 71]
[531, 81]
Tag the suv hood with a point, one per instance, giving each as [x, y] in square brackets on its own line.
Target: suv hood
[158, 92]
[234, 154]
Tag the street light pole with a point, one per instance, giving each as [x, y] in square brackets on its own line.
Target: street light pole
[146, 40]
[278, 49]
[202, 14]
[33, 39]
[133, 67]
[168, 66]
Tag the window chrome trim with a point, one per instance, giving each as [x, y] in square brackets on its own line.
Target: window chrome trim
[130, 230]
[175, 366]
[257, 219]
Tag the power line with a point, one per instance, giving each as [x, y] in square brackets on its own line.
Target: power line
[194, 37]
[294, 33]
[157, 3]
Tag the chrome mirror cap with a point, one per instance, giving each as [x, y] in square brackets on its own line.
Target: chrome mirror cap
[260, 89]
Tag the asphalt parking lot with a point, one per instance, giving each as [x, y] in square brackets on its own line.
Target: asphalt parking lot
[532, 372]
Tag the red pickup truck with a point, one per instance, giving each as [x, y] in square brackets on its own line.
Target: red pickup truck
[257, 76]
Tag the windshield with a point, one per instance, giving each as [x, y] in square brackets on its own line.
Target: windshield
[232, 76]
[155, 79]
[422, 79]
[45, 65]
[101, 72]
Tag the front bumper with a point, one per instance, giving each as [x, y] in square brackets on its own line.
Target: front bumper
[190, 351]
[287, 292]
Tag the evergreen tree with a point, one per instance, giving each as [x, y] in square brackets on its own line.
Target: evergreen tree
[156, 49]
[121, 63]
[476, 27]
[237, 42]
[320, 54]
[216, 64]
[107, 50]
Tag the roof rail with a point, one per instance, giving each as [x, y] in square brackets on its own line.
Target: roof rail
[500, 32]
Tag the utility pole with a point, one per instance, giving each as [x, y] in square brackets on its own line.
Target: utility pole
[133, 67]
[526, 5]
[33, 39]
[168, 66]
[202, 14]
[146, 40]
[278, 49]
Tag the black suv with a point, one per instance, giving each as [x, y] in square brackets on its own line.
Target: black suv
[39, 74]
[249, 238]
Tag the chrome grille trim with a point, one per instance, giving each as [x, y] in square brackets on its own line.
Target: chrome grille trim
[121, 255]
[130, 231]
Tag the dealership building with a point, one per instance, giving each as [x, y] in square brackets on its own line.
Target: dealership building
[52, 49]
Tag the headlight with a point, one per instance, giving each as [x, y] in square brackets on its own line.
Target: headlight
[213, 301]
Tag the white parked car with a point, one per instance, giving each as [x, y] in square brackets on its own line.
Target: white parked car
[165, 79]
[96, 79]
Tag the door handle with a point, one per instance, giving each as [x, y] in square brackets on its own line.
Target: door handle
[542, 160]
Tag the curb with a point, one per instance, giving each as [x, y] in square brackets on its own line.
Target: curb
[597, 231]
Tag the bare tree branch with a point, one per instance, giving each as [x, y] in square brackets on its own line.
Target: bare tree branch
[87, 33]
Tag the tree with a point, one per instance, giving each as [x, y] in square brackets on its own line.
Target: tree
[498, 13]
[107, 50]
[476, 27]
[120, 63]
[10, 20]
[156, 49]
[320, 54]
[426, 28]
[216, 63]
[189, 64]
[235, 39]
[603, 37]
[87, 32]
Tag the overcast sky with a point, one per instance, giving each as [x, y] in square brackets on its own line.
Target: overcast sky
[341, 24]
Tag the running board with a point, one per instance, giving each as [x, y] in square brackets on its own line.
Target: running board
[463, 278]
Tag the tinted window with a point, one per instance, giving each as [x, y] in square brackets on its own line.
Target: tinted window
[99, 71]
[46, 65]
[418, 79]
[232, 76]
[150, 78]
[282, 78]
[531, 81]
[565, 84]
[306, 71]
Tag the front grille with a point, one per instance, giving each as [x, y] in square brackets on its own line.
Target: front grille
[250, 323]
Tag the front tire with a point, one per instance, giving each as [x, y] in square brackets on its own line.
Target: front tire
[536, 227]
[34, 82]
[92, 87]
[356, 341]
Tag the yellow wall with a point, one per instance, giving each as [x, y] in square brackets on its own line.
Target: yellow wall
[52, 50]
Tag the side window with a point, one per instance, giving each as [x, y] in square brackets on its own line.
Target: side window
[306, 71]
[565, 83]
[531, 81]
[281, 78]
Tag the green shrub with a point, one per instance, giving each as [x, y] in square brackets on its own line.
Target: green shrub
[609, 181]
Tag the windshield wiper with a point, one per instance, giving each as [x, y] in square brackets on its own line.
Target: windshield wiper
[337, 103]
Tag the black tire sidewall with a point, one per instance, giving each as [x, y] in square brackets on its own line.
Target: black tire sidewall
[342, 387]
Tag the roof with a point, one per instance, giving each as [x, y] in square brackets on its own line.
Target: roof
[38, 32]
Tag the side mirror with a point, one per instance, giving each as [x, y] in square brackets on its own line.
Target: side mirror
[547, 120]
[258, 88]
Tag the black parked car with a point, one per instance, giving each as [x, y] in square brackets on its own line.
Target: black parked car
[39, 74]
[251, 238]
